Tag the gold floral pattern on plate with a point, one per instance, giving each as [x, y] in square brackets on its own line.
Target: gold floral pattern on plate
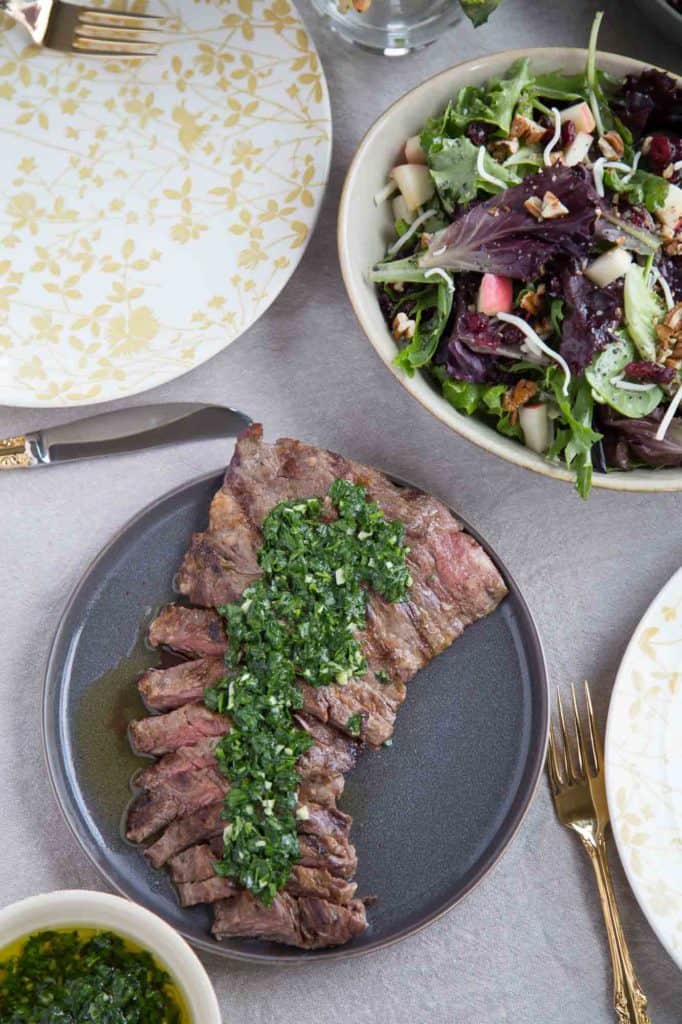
[644, 764]
[152, 210]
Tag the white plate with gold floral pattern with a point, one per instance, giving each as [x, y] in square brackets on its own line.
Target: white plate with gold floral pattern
[152, 210]
[644, 764]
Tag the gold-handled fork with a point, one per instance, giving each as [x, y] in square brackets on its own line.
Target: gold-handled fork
[87, 30]
[576, 772]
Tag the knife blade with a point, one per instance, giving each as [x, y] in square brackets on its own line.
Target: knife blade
[121, 431]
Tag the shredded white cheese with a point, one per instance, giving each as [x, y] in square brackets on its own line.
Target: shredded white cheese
[537, 342]
[635, 162]
[439, 272]
[385, 193]
[598, 175]
[414, 226]
[669, 413]
[482, 173]
[628, 385]
[594, 107]
[657, 276]
[547, 151]
[677, 166]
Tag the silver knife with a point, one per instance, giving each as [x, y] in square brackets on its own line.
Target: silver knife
[125, 430]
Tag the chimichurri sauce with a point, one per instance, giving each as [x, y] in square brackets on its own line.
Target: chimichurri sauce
[72, 977]
[298, 621]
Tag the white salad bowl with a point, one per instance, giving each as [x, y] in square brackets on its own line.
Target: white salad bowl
[365, 230]
[83, 908]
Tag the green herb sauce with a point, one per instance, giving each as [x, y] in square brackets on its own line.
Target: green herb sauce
[70, 977]
[298, 621]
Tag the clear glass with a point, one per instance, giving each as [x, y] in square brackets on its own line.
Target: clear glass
[392, 27]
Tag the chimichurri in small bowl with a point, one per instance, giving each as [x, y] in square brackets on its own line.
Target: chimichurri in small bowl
[86, 956]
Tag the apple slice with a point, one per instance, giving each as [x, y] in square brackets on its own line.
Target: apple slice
[495, 295]
[670, 214]
[577, 150]
[608, 267]
[400, 210]
[536, 427]
[415, 183]
[414, 154]
[581, 116]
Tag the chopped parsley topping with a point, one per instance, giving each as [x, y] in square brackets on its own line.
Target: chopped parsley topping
[354, 724]
[298, 621]
[69, 977]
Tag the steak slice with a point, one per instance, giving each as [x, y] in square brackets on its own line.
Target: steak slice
[211, 887]
[159, 734]
[163, 689]
[208, 890]
[306, 921]
[330, 754]
[193, 865]
[324, 791]
[175, 797]
[375, 702]
[196, 828]
[334, 854]
[322, 883]
[199, 755]
[197, 632]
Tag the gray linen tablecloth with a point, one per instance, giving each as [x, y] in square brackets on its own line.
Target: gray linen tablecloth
[528, 945]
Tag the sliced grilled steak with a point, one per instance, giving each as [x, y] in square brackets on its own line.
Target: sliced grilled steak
[330, 754]
[193, 865]
[324, 791]
[198, 755]
[375, 702]
[325, 821]
[159, 734]
[165, 688]
[332, 853]
[208, 890]
[197, 632]
[305, 921]
[244, 916]
[320, 882]
[175, 797]
[196, 828]
[330, 924]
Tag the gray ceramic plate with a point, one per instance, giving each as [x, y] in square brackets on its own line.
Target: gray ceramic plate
[432, 813]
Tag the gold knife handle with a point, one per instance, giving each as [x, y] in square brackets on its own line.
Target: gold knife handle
[628, 998]
[15, 453]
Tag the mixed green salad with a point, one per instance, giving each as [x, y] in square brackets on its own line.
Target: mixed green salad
[536, 271]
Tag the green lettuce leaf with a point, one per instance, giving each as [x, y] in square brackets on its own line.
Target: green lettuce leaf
[643, 310]
[493, 103]
[478, 11]
[575, 441]
[430, 315]
[606, 365]
[643, 189]
[453, 166]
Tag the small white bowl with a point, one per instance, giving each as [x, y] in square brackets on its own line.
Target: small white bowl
[88, 909]
[364, 230]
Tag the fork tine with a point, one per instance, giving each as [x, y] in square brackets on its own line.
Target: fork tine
[583, 757]
[98, 15]
[111, 34]
[595, 738]
[107, 48]
[553, 762]
[569, 768]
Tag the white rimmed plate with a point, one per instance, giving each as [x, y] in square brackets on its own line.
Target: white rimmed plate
[644, 764]
[153, 209]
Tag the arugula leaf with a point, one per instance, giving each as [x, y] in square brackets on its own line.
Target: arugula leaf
[494, 103]
[485, 398]
[556, 314]
[576, 440]
[463, 395]
[607, 365]
[431, 315]
[478, 11]
[453, 166]
[643, 310]
[643, 188]
[555, 85]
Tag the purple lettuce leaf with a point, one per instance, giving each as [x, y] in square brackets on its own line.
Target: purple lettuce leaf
[671, 269]
[591, 315]
[629, 443]
[476, 344]
[500, 236]
[648, 101]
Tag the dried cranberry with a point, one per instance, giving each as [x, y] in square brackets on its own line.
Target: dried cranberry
[661, 153]
[568, 133]
[479, 132]
[649, 373]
